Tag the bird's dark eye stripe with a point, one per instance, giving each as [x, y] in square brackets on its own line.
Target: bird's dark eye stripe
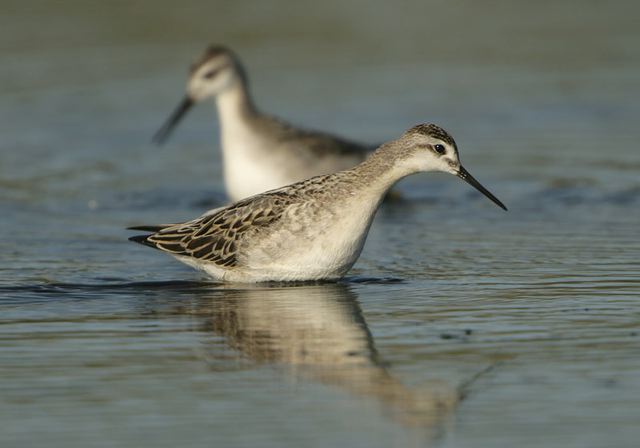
[440, 149]
[211, 73]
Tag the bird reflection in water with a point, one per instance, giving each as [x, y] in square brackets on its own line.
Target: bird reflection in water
[319, 333]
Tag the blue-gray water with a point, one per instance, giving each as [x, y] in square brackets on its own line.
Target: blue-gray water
[533, 313]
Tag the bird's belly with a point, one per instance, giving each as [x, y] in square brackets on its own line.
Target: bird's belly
[325, 247]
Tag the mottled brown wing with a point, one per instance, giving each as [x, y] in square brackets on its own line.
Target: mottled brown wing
[214, 238]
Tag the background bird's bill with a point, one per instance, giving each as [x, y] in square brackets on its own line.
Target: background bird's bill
[468, 178]
[179, 112]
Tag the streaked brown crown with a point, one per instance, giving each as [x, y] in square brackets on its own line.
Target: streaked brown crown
[211, 52]
[432, 130]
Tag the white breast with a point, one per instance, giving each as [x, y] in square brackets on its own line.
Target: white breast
[310, 246]
[248, 168]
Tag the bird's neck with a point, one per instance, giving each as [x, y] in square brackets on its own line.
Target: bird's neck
[382, 169]
[235, 107]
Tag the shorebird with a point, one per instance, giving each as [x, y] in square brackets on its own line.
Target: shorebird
[311, 230]
[259, 152]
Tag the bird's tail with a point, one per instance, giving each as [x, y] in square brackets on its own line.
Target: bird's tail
[142, 239]
[155, 228]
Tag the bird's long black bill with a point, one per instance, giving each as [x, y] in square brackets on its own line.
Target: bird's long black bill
[468, 178]
[163, 133]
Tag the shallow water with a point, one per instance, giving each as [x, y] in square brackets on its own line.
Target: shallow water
[530, 316]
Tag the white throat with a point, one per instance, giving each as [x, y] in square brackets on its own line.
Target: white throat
[243, 152]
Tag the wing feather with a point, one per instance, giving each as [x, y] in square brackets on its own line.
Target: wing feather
[215, 237]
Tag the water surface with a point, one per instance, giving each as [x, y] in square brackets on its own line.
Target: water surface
[460, 326]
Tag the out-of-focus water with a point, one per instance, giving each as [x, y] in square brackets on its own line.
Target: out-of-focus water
[533, 314]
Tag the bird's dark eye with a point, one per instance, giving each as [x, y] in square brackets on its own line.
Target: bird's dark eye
[211, 73]
[440, 149]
